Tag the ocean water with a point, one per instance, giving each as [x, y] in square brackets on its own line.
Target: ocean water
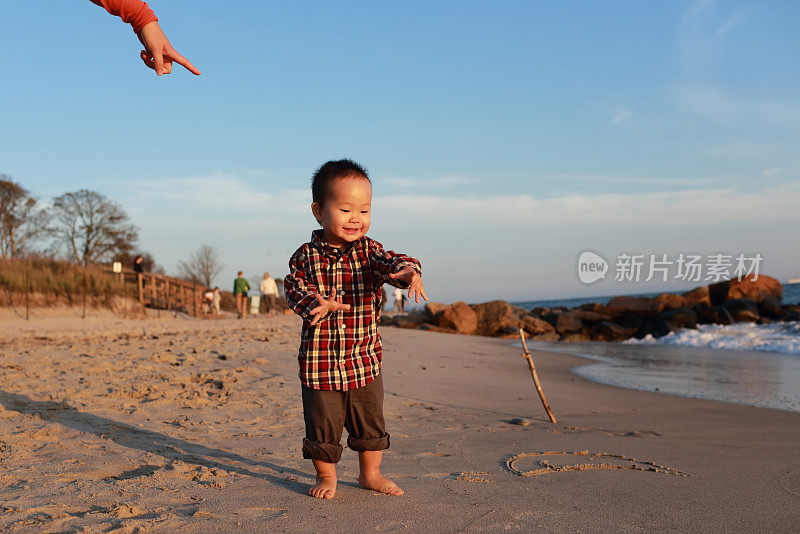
[743, 363]
[754, 378]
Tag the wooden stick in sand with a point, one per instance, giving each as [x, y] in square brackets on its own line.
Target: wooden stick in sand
[536, 383]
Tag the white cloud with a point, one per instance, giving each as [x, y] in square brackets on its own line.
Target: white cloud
[612, 179]
[771, 172]
[724, 107]
[728, 24]
[441, 181]
[620, 116]
[690, 206]
[216, 194]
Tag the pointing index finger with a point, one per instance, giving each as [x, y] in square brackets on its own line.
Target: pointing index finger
[183, 61]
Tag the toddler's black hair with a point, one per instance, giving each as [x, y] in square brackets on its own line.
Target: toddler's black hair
[331, 170]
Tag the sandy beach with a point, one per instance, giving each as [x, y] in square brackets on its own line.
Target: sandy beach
[172, 424]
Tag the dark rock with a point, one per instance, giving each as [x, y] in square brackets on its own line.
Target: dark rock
[711, 315]
[508, 332]
[519, 312]
[608, 331]
[568, 323]
[549, 337]
[748, 287]
[578, 337]
[654, 327]
[459, 317]
[669, 301]
[680, 318]
[434, 328]
[792, 315]
[742, 310]
[630, 322]
[592, 307]
[641, 306]
[406, 323]
[535, 326]
[493, 316]
[590, 316]
[771, 308]
[696, 297]
[433, 310]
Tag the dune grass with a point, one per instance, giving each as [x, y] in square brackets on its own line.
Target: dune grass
[52, 279]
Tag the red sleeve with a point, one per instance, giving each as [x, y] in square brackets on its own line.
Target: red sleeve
[134, 12]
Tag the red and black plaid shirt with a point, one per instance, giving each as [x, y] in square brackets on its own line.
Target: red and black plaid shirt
[343, 350]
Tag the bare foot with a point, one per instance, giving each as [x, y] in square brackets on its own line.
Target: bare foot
[325, 488]
[378, 482]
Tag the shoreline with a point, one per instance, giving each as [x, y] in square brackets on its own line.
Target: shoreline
[627, 372]
[197, 427]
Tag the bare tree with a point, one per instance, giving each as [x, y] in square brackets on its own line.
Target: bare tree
[21, 221]
[90, 228]
[202, 267]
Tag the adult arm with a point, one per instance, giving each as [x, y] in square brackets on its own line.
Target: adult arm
[158, 53]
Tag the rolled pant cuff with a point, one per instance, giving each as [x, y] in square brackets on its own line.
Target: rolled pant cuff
[324, 452]
[374, 444]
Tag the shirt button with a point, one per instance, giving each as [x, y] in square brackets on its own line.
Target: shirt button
[341, 292]
[341, 326]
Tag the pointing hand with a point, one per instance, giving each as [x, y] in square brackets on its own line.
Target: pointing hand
[158, 53]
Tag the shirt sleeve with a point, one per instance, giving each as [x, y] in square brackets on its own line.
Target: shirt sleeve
[385, 262]
[301, 293]
[134, 12]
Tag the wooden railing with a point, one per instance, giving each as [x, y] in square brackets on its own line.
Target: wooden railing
[166, 293]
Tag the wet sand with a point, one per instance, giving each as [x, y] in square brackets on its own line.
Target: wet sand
[177, 425]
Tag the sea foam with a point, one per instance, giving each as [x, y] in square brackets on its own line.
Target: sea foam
[780, 337]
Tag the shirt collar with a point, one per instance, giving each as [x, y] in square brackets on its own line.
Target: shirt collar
[329, 252]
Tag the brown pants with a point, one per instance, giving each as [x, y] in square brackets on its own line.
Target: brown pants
[241, 304]
[269, 302]
[358, 410]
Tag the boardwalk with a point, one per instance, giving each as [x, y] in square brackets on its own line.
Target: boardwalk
[166, 293]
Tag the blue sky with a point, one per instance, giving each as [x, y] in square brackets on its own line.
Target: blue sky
[502, 138]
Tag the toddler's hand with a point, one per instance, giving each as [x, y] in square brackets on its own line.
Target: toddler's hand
[414, 281]
[326, 306]
[158, 53]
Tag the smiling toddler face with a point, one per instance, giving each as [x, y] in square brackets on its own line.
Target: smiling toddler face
[345, 213]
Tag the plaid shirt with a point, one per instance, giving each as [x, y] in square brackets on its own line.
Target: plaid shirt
[343, 350]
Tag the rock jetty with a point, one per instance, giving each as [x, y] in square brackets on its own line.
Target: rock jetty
[751, 299]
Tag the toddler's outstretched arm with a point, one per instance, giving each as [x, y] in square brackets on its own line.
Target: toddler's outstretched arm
[398, 270]
[303, 297]
[414, 281]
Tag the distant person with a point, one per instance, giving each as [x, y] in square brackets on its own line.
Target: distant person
[383, 298]
[269, 290]
[208, 301]
[240, 288]
[399, 306]
[158, 53]
[334, 284]
[216, 301]
[138, 265]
